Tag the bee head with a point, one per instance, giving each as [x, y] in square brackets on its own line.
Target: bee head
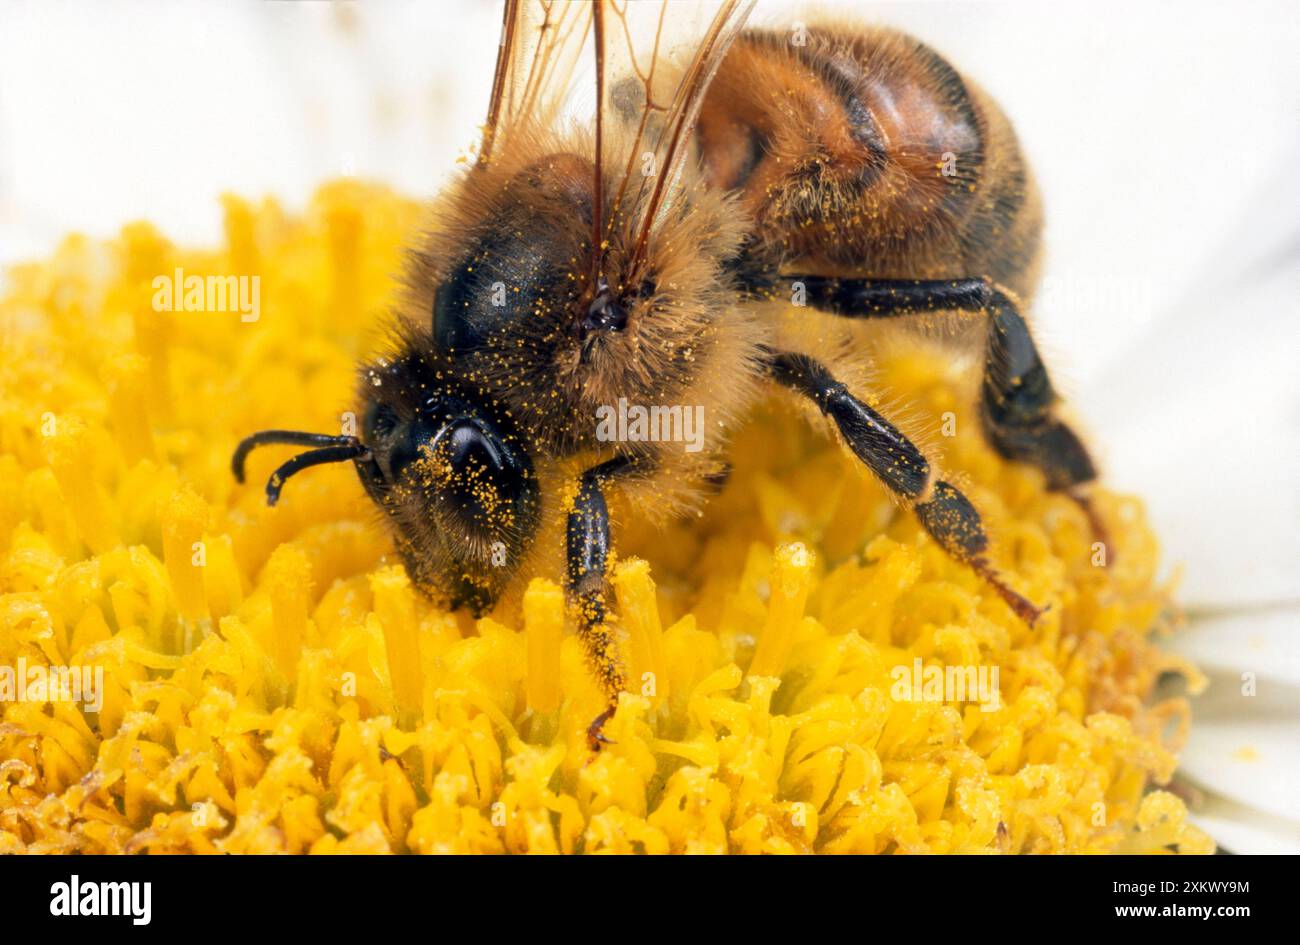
[450, 474]
[453, 478]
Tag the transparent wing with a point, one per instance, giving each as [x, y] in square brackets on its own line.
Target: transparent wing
[664, 78]
[633, 72]
[541, 43]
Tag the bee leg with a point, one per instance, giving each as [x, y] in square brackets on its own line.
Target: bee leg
[940, 507]
[1018, 407]
[1018, 410]
[587, 541]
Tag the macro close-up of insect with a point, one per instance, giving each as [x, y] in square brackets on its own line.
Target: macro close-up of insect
[852, 170]
[648, 427]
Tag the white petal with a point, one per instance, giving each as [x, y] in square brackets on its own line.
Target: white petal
[1202, 419]
[1246, 725]
[1243, 831]
[1265, 642]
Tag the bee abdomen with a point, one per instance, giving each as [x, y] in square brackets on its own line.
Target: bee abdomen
[864, 152]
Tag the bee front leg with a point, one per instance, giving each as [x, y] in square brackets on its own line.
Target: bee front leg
[1019, 406]
[587, 541]
[941, 508]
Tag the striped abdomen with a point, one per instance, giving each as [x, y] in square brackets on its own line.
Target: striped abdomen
[862, 152]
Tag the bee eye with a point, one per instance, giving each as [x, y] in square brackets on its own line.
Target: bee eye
[465, 457]
[380, 422]
[408, 449]
[467, 448]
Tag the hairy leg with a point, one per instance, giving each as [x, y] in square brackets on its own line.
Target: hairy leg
[940, 507]
[587, 546]
[1018, 402]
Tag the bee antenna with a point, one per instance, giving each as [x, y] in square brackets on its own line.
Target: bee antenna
[285, 437]
[329, 454]
[335, 449]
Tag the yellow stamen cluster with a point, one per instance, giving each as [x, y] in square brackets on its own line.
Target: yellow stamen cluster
[272, 682]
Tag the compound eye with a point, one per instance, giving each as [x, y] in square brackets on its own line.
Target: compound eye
[483, 480]
[456, 459]
[410, 447]
[380, 423]
[481, 474]
[446, 320]
[469, 450]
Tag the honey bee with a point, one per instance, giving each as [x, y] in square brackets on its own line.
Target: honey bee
[642, 257]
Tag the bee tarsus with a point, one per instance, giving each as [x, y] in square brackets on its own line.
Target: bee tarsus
[595, 734]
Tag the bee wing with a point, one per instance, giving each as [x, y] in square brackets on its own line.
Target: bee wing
[649, 67]
[541, 44]
[674, 67]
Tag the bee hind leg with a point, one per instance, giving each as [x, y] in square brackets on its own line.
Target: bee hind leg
[587, 547]
[941, 508]
[1018, 405]
[1018, 410]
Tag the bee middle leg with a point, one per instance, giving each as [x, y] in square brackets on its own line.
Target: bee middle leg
[587, 546]
[941, 508]
[1018, 408]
